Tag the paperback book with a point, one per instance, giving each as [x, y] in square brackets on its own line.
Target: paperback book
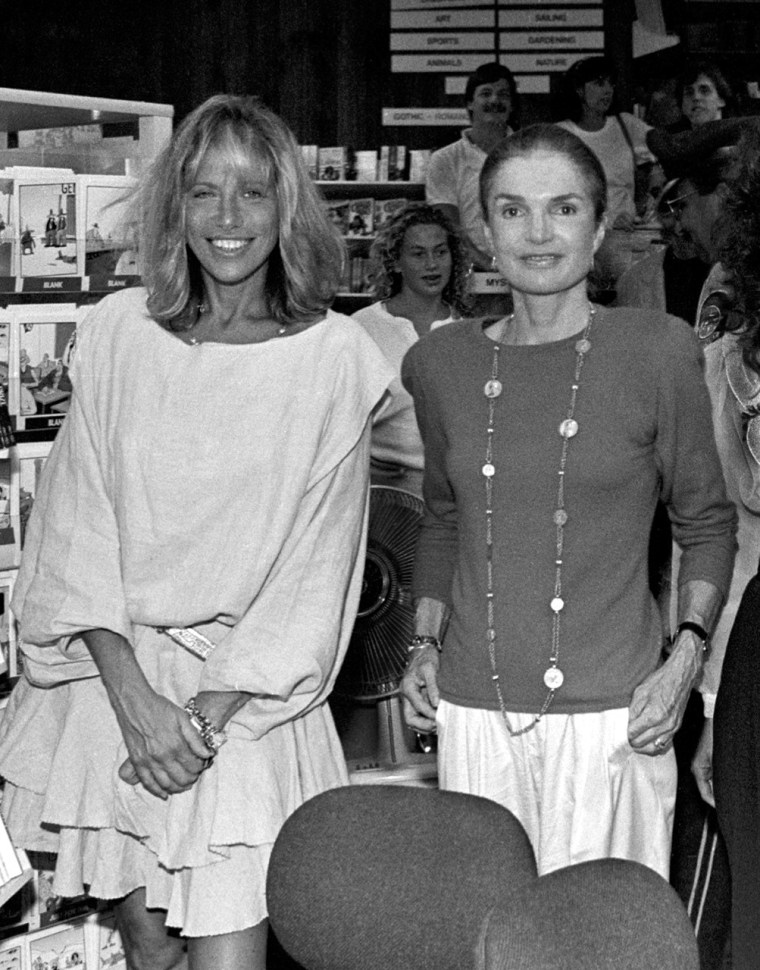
[361, 218]
[385, 210]
[332, 163]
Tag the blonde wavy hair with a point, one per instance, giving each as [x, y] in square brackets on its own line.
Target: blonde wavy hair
[305, 267]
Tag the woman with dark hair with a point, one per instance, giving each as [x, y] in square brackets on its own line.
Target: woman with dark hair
[549, 436]
[618, 139]
[195, 553]
[420, 276]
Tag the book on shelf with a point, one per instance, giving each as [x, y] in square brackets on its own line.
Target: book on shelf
[309, 153]
[419, 159]
[359, 281]
[361, 218]
[392, 163]
[333, 163]
[365, 165]
[385, 210]
[337, 213]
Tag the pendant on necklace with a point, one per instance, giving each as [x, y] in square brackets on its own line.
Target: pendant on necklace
[493, 389]
[554, 678]
[568, 428]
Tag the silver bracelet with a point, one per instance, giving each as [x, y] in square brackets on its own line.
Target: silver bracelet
[418, 642]
[212, 736]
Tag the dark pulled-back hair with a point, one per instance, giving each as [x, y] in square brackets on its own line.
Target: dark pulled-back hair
[740, 249]
[386, 250]
[587, 69]
[547, 138]
[305, 267]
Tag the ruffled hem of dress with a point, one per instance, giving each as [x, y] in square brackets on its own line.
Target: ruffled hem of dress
[60, 755]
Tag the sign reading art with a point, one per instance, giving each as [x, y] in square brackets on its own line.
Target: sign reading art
[439, 19]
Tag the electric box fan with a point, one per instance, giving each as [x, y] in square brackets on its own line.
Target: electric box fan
[377, 654]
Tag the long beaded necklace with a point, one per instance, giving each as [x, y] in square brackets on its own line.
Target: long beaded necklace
[568, 428]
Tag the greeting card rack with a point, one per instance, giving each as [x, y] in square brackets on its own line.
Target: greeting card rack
[66, 166]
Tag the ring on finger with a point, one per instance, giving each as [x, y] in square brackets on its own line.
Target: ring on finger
[660, 742]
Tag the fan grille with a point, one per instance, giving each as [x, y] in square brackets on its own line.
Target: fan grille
[377, 652]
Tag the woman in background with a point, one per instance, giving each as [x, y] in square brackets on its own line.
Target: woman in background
[420, 276]
[618, 139]
[194, 558]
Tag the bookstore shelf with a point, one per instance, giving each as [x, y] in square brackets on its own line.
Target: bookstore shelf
[359, 209]
[56, 160]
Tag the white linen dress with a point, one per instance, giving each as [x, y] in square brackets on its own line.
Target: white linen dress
[216, 486]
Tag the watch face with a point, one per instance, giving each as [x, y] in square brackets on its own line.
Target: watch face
[713, 316]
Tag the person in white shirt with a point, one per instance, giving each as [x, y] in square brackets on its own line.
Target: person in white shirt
[618, 139]
[453, 175]
[420, 277]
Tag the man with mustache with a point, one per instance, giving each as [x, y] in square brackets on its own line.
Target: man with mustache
[454, 171]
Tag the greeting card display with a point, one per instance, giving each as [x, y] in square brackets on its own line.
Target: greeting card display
[60, 947]
[111, 954]
[13, 955]
[43, 906]
[47, 226]
[8, 643]
[10, 532]
[108, 239]
[8, 234]
[43, 340]
[6, 430]
[28, 461]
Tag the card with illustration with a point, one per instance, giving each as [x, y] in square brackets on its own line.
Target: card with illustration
[8, 233]
[111, 954]
[10, 534]
[13, 954]
[61, 947]
[109, 241]
[8, 639]
[43, 342]
[47, 228]
[29, 459]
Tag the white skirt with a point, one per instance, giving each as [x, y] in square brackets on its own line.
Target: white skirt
[574, 782]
